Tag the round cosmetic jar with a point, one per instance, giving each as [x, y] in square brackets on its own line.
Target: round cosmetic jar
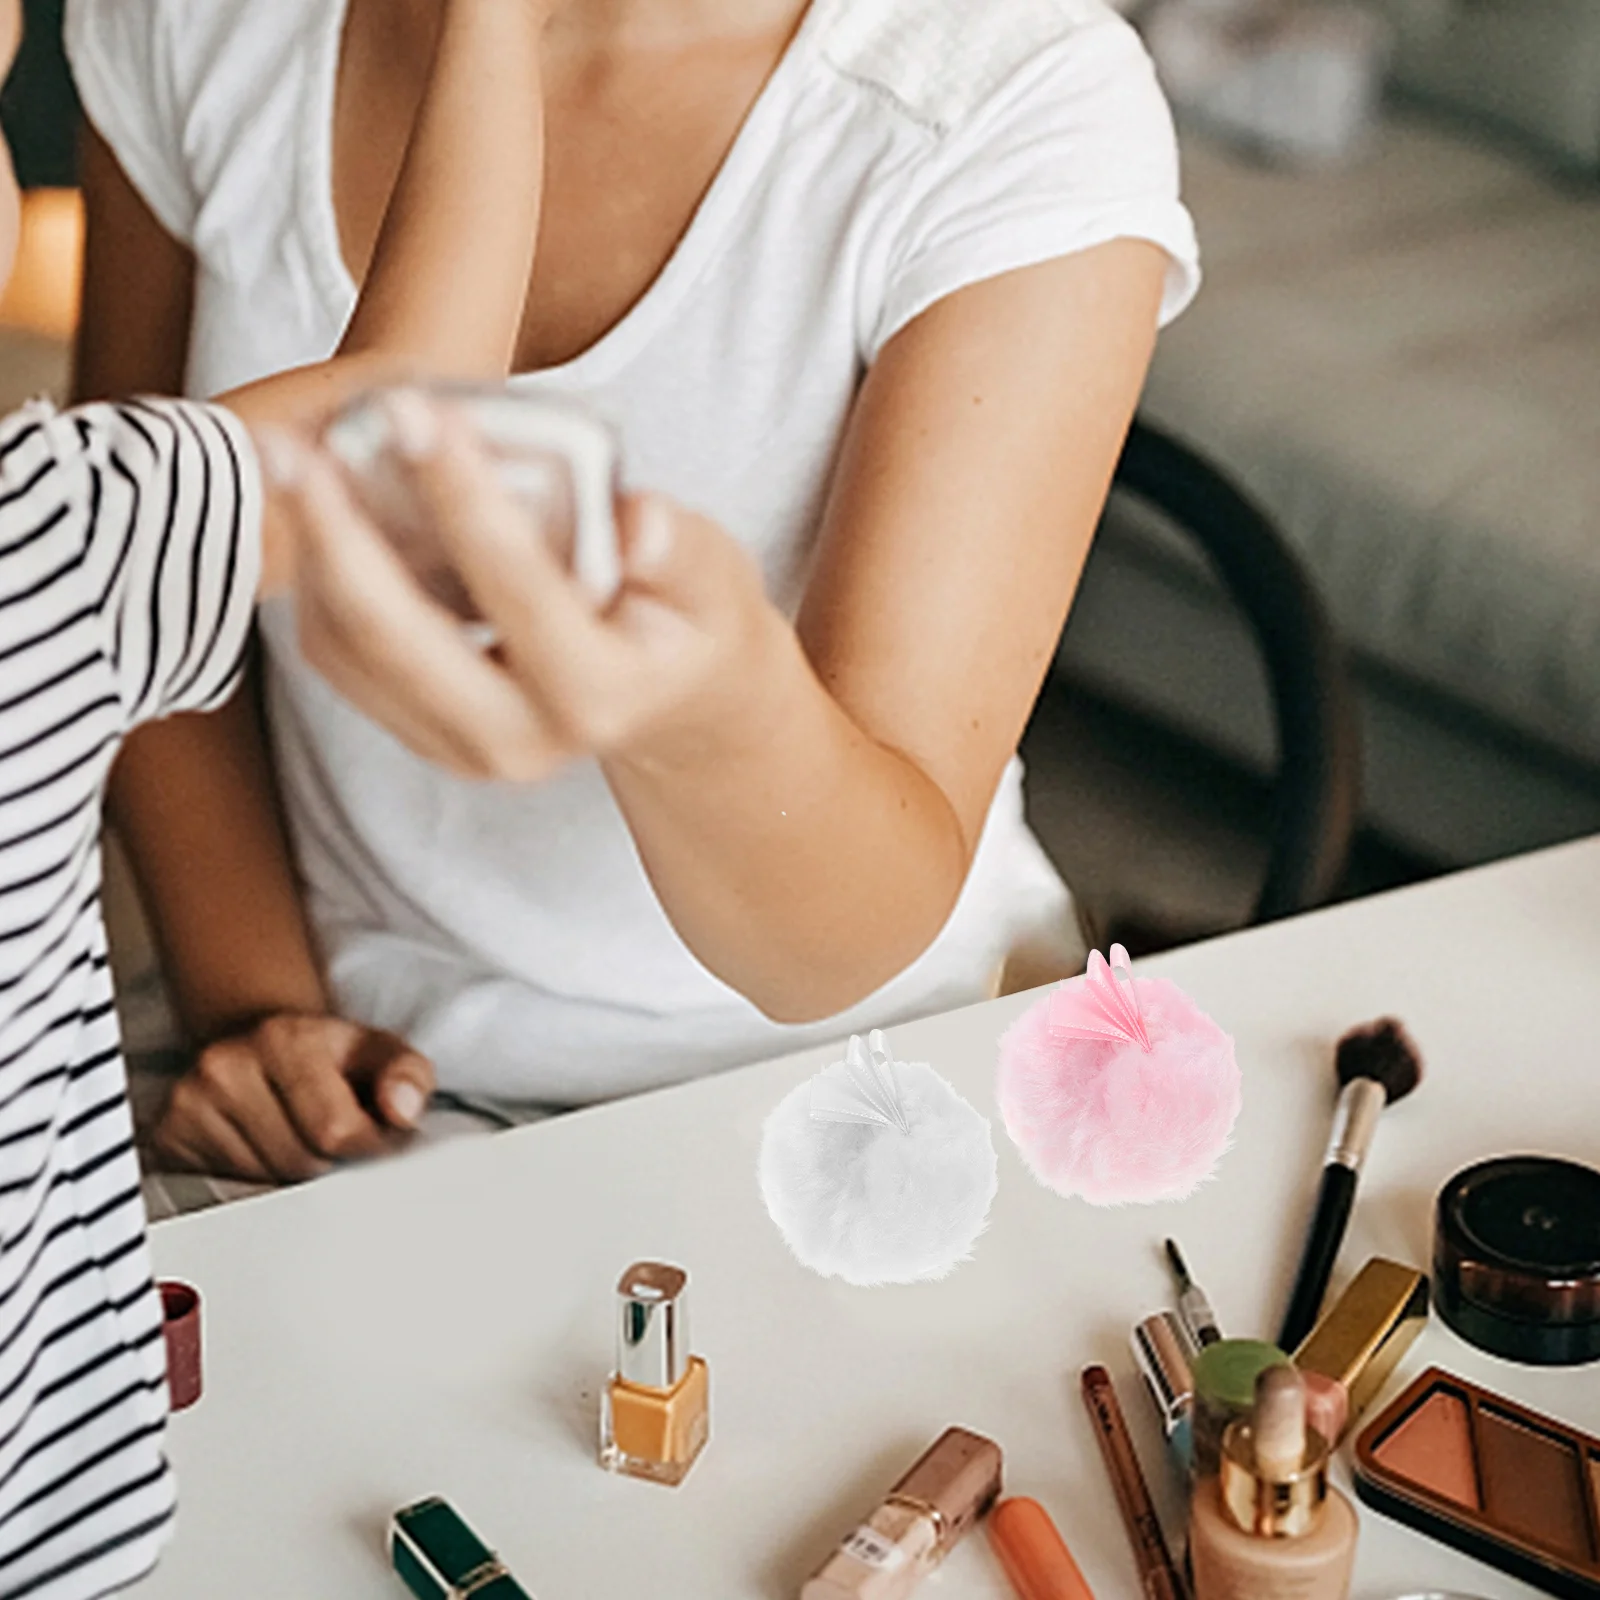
[1516, 1259]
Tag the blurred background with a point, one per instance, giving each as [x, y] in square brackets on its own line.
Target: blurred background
[1390, 383]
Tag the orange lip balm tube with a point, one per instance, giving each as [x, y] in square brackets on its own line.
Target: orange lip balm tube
[1035, 1559]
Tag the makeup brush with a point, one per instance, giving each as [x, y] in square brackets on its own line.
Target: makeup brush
[1376, 1065]
[1193, 1307]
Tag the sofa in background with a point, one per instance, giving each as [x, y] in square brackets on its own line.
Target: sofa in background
[1400, 359]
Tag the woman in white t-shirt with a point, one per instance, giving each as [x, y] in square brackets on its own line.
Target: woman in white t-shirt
[869, 284]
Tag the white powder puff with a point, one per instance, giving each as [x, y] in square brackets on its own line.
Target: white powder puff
[877, 1171]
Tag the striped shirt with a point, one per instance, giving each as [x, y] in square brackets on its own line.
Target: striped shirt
[129, 556]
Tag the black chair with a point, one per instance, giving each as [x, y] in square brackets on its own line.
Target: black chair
[39, 107]
[1318, 787]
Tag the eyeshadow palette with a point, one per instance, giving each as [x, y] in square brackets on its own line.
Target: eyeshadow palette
[1489, 1477]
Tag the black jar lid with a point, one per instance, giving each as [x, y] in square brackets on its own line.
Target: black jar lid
[1516, 1259]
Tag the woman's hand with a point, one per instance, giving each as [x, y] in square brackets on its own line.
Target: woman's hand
[293, 1097]
[682, 656]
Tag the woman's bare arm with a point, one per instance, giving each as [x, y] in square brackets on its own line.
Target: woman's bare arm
[191, 797]
[807, 802]
[819, 845]
[443, 297]
[450, 270]
[138, 288]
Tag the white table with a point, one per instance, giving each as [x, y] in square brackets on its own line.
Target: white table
[443, 1324]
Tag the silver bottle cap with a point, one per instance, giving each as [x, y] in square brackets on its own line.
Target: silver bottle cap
[1162, 1349]
[652, 1327]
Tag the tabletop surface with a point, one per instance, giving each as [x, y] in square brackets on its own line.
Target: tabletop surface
[443, 1324]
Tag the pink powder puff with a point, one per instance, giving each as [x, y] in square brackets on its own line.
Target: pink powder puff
[1118, 1089]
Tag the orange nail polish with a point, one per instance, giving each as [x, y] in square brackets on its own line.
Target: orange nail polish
[1032, 1553]
[655, 1418]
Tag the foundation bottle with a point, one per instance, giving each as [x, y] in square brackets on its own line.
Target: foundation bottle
[952, 1484]
[656, 1414]
[1269, 1526]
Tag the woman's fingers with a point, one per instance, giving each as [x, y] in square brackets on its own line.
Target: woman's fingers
[396, 654]
[196, 1133]
[437, 739]
[304, 1060]
[564, 679]
[692, 599]
[549, 631]
[235, 1084]
[686, 562]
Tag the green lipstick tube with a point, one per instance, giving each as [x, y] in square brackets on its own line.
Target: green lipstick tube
[441, 1558]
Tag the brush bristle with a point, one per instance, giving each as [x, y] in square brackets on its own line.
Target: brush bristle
[1180, 1267]
[1384, 1051]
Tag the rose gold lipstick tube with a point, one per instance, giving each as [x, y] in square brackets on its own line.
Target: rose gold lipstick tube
[920, 1520]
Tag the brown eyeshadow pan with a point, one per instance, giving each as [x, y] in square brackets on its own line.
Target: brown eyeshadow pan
[1487, 1476]
[1433, 1446]
[1535, 1482]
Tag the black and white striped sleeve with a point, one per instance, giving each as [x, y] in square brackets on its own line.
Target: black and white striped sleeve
[129, 554]
[128, 563]
[169, 503]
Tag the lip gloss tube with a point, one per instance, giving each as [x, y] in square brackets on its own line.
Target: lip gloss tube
[1033, 1554]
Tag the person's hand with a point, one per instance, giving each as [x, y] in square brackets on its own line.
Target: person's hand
[292, 1098]
[684, 648]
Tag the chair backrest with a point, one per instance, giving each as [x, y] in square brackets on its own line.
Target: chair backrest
[1319, 760]
[40, 106]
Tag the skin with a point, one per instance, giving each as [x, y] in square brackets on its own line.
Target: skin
[771, 774]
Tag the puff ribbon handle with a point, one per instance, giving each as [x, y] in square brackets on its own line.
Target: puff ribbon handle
[1102, 1006]
[865, 1087]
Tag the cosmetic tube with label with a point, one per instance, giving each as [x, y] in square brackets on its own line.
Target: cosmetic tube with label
[921, 1519]
[656, 1416]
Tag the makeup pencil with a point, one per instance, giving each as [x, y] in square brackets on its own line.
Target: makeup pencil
[1159, 1579]
[1193, 1307]
[1376, 1065]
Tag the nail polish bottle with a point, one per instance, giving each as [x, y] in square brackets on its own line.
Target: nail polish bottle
[656, 1414]
[952, 1484]
[1269, 1524]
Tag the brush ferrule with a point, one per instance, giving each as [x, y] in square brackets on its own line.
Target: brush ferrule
[1361, 1103]
[1199, 1319]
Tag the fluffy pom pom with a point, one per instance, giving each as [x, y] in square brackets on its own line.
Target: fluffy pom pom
[877, 1171]
[1118, 1088]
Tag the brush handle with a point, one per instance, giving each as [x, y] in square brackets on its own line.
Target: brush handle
[1334, 1199]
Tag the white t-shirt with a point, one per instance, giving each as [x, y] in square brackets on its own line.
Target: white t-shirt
[901, 150]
